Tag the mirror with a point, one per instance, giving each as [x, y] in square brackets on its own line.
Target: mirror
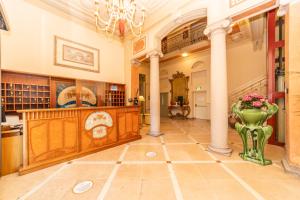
[179, 89]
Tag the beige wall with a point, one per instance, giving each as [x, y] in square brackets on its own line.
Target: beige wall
[29, 45]
[244, 65]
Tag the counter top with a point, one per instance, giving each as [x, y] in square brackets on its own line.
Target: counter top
[77, 108]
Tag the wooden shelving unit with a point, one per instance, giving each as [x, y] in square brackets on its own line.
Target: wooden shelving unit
[115, 95]
[18, 96]
[22, 91]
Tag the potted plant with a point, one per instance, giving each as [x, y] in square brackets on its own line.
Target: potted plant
[253, 110]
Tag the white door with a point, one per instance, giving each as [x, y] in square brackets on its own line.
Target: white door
[201, 108]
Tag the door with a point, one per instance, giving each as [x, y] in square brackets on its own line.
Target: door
[201, 108]
[164, 98]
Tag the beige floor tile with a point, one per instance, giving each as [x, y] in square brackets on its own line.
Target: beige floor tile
[147, 139]
[177, 138]
[271, 182]
[138, 153]
[201, 137]
[187, 152]
[61, 186]
[111, 154]
[208, 181]
[141, 182]
[14, 186]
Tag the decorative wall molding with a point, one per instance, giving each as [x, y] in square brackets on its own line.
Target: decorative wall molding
[197, 65]
[154, 53]
[180, 20]
[224, 24]
[233, 3]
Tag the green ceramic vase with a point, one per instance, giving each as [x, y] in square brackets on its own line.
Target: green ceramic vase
[254, 133]
[253, 117]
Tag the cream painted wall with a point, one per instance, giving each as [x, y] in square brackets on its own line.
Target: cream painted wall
[244, 65]
[29, 45]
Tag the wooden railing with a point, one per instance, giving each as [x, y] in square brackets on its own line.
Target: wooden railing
[184, 38]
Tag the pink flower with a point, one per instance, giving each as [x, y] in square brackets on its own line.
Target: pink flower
[262, 100]
[247, 98]
[256, 104]
[257, 96]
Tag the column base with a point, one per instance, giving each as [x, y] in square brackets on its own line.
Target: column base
[288, 168]
[223, 151]
[155, 133]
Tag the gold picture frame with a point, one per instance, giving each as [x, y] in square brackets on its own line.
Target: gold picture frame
[68, 53]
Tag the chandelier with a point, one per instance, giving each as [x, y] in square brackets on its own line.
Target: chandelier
[119, 13]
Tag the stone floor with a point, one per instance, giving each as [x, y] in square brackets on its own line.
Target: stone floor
[182, 169]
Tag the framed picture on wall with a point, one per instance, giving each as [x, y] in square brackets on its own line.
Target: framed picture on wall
[139, 45]
[75, 55]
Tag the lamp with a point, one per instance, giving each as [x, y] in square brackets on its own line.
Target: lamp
[141, 98]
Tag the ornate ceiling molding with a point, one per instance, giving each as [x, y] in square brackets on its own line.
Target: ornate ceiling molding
[84, 9]
[73, 8]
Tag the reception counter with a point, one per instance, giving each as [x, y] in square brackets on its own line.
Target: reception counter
[52, 136]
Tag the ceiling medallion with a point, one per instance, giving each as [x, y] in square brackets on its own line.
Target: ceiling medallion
[119, 13]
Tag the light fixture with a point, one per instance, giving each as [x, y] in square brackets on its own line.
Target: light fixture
[184, 54]
[119, 12]
[141, 98]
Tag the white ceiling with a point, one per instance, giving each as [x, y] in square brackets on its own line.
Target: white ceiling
[156, 10]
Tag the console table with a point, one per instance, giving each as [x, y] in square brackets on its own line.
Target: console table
[179, 111]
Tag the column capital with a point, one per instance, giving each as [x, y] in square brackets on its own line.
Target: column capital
[154, 53]
[224, 24]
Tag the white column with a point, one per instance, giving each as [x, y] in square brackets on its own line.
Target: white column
[218, 81]
[154, 93]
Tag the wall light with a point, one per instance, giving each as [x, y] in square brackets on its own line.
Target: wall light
[185, 54]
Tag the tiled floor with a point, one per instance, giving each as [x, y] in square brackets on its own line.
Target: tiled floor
[181, 169]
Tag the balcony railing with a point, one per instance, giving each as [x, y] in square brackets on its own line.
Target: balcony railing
[184, 38]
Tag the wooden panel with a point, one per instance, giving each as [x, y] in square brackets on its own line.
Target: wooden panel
[70, 132]
[135, 123]
[50, 139]
[15, 77]
[128, 119]
[55, 140]
[37, 139]
[11, 154]
[122, 125]
[128, 123]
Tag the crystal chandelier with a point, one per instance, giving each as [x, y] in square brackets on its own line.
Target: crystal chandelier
[119, 12]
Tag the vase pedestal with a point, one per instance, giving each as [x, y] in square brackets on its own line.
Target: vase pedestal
[259, 137]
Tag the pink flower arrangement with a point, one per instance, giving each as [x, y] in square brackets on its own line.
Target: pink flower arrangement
[247, 98]
[253, 100]
[256, 104]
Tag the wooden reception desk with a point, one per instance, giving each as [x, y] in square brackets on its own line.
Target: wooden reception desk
[53, 136]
